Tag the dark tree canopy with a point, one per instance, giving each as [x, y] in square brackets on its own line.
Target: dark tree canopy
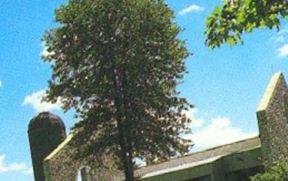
[117, 63]
[235, 17]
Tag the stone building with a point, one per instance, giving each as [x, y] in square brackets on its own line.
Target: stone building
[237, 161]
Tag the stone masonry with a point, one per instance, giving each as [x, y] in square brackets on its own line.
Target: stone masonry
[273, 121]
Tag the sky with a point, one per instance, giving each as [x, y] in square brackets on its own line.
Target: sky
[225, 84]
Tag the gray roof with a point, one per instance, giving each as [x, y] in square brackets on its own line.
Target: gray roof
[201, 157]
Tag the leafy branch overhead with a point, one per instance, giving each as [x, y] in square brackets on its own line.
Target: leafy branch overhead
[235, 17]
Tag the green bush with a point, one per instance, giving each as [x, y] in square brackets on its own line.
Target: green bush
[278, 172]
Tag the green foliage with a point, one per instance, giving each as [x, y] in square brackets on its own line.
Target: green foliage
[117, 63]
[235, 17]
[278, 172]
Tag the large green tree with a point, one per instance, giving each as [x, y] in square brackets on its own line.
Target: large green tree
[234, 17]
[117, 64]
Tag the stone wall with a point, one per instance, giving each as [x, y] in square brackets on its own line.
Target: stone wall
[273, 122]
[60, 166]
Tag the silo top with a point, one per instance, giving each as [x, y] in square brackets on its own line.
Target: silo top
[46, 120]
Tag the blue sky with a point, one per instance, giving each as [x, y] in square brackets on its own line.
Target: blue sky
[225, 84]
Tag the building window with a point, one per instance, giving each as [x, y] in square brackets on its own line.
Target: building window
[82, 174]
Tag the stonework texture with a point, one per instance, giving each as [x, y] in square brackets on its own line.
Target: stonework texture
[273, 121]
[46, 131]
[61, 165]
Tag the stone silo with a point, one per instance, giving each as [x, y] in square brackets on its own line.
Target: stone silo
[46, 131]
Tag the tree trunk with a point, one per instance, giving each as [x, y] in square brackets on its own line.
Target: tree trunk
[126, 150]
[126, 154]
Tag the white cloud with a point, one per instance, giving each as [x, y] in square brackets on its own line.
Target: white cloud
[191, 9]
[1, 83]
[45, 53]
[4, 167]
[35, 100]
[282, 35]
[280, 38]
[283, 51]
[28, 171]
[196, 122]
[215, 132]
